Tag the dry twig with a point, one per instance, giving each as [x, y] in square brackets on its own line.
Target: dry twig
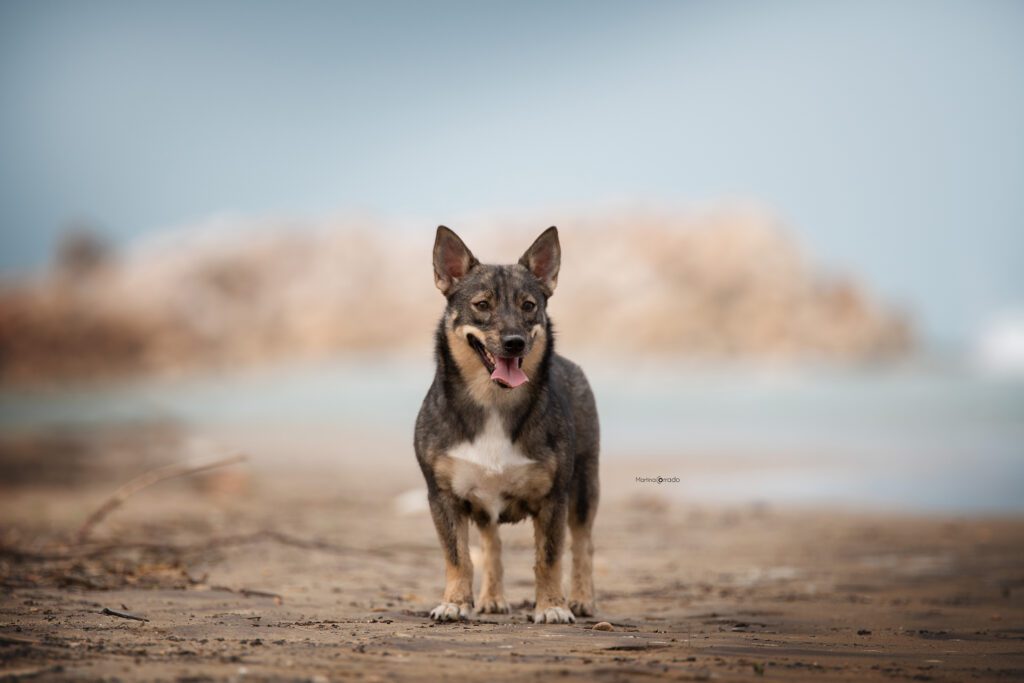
[249, 593]
[123, 615]
[86, 551]
[144, 481]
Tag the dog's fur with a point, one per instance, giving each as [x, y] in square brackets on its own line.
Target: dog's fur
[494, 454]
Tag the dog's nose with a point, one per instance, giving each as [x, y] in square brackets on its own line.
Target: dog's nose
[513, 344]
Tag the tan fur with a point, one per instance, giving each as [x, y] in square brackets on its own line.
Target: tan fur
[548, 577]
[478, 381]
[481, 486]
[540, 341]
[459, 578]
[492, 592]
[581, 591]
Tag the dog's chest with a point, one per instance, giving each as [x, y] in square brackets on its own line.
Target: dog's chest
[491, 471]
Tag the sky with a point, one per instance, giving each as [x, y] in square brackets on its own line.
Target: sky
[886, 135]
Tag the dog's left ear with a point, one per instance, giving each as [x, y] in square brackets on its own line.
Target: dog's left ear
[543, 259]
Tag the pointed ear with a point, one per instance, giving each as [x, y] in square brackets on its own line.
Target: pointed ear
[452, 259]
[543, 259]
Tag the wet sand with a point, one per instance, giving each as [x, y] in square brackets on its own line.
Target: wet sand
[327, 572]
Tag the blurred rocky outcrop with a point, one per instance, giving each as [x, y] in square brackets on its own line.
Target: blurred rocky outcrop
[728, 283]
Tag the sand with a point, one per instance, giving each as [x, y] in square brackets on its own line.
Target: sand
[271, 572]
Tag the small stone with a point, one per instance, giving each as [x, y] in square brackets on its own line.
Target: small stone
[603, 626]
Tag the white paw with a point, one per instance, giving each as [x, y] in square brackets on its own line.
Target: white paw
[492, 606]
[553, 615]
[451, 611]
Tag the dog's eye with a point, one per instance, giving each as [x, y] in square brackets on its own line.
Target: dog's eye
[529, 306]
[483, 306]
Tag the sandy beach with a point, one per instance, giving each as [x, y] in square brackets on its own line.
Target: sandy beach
[251, 250]
[326, 571]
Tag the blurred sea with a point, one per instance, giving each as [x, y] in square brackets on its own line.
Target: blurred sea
[926, 437]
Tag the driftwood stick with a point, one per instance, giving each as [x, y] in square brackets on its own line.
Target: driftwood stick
[123, 615]
[249, 592]
[87, 550]
[144, 481]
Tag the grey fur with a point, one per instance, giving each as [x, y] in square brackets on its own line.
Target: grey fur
[552, 419]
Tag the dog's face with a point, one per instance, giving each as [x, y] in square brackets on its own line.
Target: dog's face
[496, 320]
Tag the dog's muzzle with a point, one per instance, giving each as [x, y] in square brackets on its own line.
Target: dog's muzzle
[506, 371]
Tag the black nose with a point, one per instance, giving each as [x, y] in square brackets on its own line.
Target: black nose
[513, 344]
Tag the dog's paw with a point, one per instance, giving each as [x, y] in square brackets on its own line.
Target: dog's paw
[451, 611]
[582, 608]
[553, 615]
[491, 606]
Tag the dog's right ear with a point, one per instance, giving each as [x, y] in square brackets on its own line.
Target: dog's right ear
[452, 260]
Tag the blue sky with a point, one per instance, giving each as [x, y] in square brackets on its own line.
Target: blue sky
[887, 135]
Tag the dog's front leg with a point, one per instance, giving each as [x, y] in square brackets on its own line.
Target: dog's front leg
[549, 537]
[453, 531]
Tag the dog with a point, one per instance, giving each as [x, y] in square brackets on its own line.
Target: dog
[508, 430]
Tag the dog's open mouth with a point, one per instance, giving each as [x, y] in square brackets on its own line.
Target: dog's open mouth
[506, 371]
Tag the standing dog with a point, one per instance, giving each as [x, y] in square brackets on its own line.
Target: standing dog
[507, 430]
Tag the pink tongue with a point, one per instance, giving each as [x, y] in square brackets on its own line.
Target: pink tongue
[507, 370]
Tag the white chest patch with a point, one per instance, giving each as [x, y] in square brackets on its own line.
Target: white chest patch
[492, 449]
[490, 468]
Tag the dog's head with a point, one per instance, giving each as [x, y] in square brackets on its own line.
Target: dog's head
[496, 320]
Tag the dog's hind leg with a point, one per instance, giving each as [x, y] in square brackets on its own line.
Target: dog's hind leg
[582, 510]
[453, 531]
[492, 590]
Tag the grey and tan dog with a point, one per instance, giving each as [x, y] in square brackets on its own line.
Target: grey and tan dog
[508, 430]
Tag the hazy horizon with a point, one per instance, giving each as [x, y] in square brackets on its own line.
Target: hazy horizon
[885, 136]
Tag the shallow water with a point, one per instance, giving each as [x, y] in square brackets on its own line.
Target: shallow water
[919, 437]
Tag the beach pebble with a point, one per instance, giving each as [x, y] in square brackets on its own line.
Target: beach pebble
[603, 626]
